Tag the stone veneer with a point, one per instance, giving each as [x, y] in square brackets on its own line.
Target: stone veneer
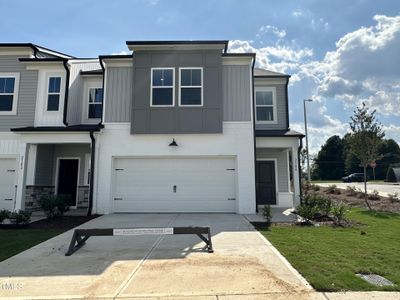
[34, 192]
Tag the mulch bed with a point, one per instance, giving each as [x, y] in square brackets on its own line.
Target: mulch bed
[383, 204]
[64, 223]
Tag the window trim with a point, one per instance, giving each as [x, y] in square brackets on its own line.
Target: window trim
[48, 93]
[193, 86]
[274, 108]
[16, 76]
[173, 86]
[95, 103]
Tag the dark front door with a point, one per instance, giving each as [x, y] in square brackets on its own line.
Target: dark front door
[266, 185]
[68, 179]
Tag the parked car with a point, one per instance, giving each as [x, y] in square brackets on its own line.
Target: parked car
[355, 177]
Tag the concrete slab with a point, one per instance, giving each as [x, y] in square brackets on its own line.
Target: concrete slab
[363, 296]
[244, 263]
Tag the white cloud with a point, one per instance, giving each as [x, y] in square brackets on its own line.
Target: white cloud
[123, 52]
[277, 58]
[297, 13]
[365, 66]
[265, 29]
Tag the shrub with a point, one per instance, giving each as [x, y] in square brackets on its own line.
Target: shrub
[20, 217]
[394, 197]
[307, 212]
[339, 212]
[351, 191]
[4, 214]
[324, 205]
[374, 195]
[267, 214]
[315, 187]
[54, 205]
[332, 189]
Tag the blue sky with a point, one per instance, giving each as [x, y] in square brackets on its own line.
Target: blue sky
[340, 53]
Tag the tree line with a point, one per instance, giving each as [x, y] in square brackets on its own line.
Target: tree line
[341, 156]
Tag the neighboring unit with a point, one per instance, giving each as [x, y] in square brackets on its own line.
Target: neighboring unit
[177, 126]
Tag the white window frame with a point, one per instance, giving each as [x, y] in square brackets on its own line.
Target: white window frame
[173, 87]
[274, 110]
[48, 93]
[15, 94]
[93, 103]
[191, 86]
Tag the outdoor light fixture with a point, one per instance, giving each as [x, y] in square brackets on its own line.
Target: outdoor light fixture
[173, 143]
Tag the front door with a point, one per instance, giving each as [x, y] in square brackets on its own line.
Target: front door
[68, 178]
[266, 185]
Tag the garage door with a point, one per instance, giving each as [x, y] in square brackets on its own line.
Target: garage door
[174, 185]
[7, 183]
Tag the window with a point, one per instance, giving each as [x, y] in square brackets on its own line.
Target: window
[162, 86]
[8, 92]
[265, 105]
[53, 93]
[95, 103]
[191, 87]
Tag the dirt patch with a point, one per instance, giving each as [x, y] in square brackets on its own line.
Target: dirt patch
[64, 223]
[383, 204]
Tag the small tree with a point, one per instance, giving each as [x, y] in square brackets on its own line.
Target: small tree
[365, 138]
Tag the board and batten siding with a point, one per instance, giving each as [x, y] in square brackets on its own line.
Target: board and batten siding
[28, 82]
[282, 165]
[236, 93]
[281, 108]
[76, 98]
[118, 94]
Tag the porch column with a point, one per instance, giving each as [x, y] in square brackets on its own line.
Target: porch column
[21, 176]
[296, 176]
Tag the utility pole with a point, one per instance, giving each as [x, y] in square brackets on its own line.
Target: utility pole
[307, 149]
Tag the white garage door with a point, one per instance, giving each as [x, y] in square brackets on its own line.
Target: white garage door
[174, 185]
[7, 183]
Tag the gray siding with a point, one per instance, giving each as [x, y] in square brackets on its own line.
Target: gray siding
[118, 94]
[282, 165]
[76, 99]
[46, 161]
[44, 165]
[236, 93]
[281, 108]
[26, 96]
[159, 120]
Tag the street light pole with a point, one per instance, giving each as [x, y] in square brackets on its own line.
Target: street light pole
[305, 125]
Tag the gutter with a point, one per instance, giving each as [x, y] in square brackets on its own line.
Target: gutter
[91, 183]
[65, 63]
[254, 128]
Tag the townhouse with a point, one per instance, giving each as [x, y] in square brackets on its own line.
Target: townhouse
[174, 126]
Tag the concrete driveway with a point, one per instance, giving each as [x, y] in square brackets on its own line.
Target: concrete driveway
[383, 188]
[243, 266]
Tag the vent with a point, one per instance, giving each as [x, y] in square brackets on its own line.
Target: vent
[376, 279]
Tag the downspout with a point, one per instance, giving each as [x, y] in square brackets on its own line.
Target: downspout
[91, 183]
[65, 63]
[287, 104]
[254, 128]
[104, 75]
[299, 168]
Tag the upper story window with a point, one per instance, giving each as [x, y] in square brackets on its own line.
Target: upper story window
[9, 83]
[191, 86]
[162, 86]
[95, 109]
[53, 94]
[265, 105]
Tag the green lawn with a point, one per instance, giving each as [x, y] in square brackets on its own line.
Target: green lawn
[13, 241]
[329, 257]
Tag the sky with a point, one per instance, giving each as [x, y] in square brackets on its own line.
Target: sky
[339, 53]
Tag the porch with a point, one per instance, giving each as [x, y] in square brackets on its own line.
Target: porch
[277, 171]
